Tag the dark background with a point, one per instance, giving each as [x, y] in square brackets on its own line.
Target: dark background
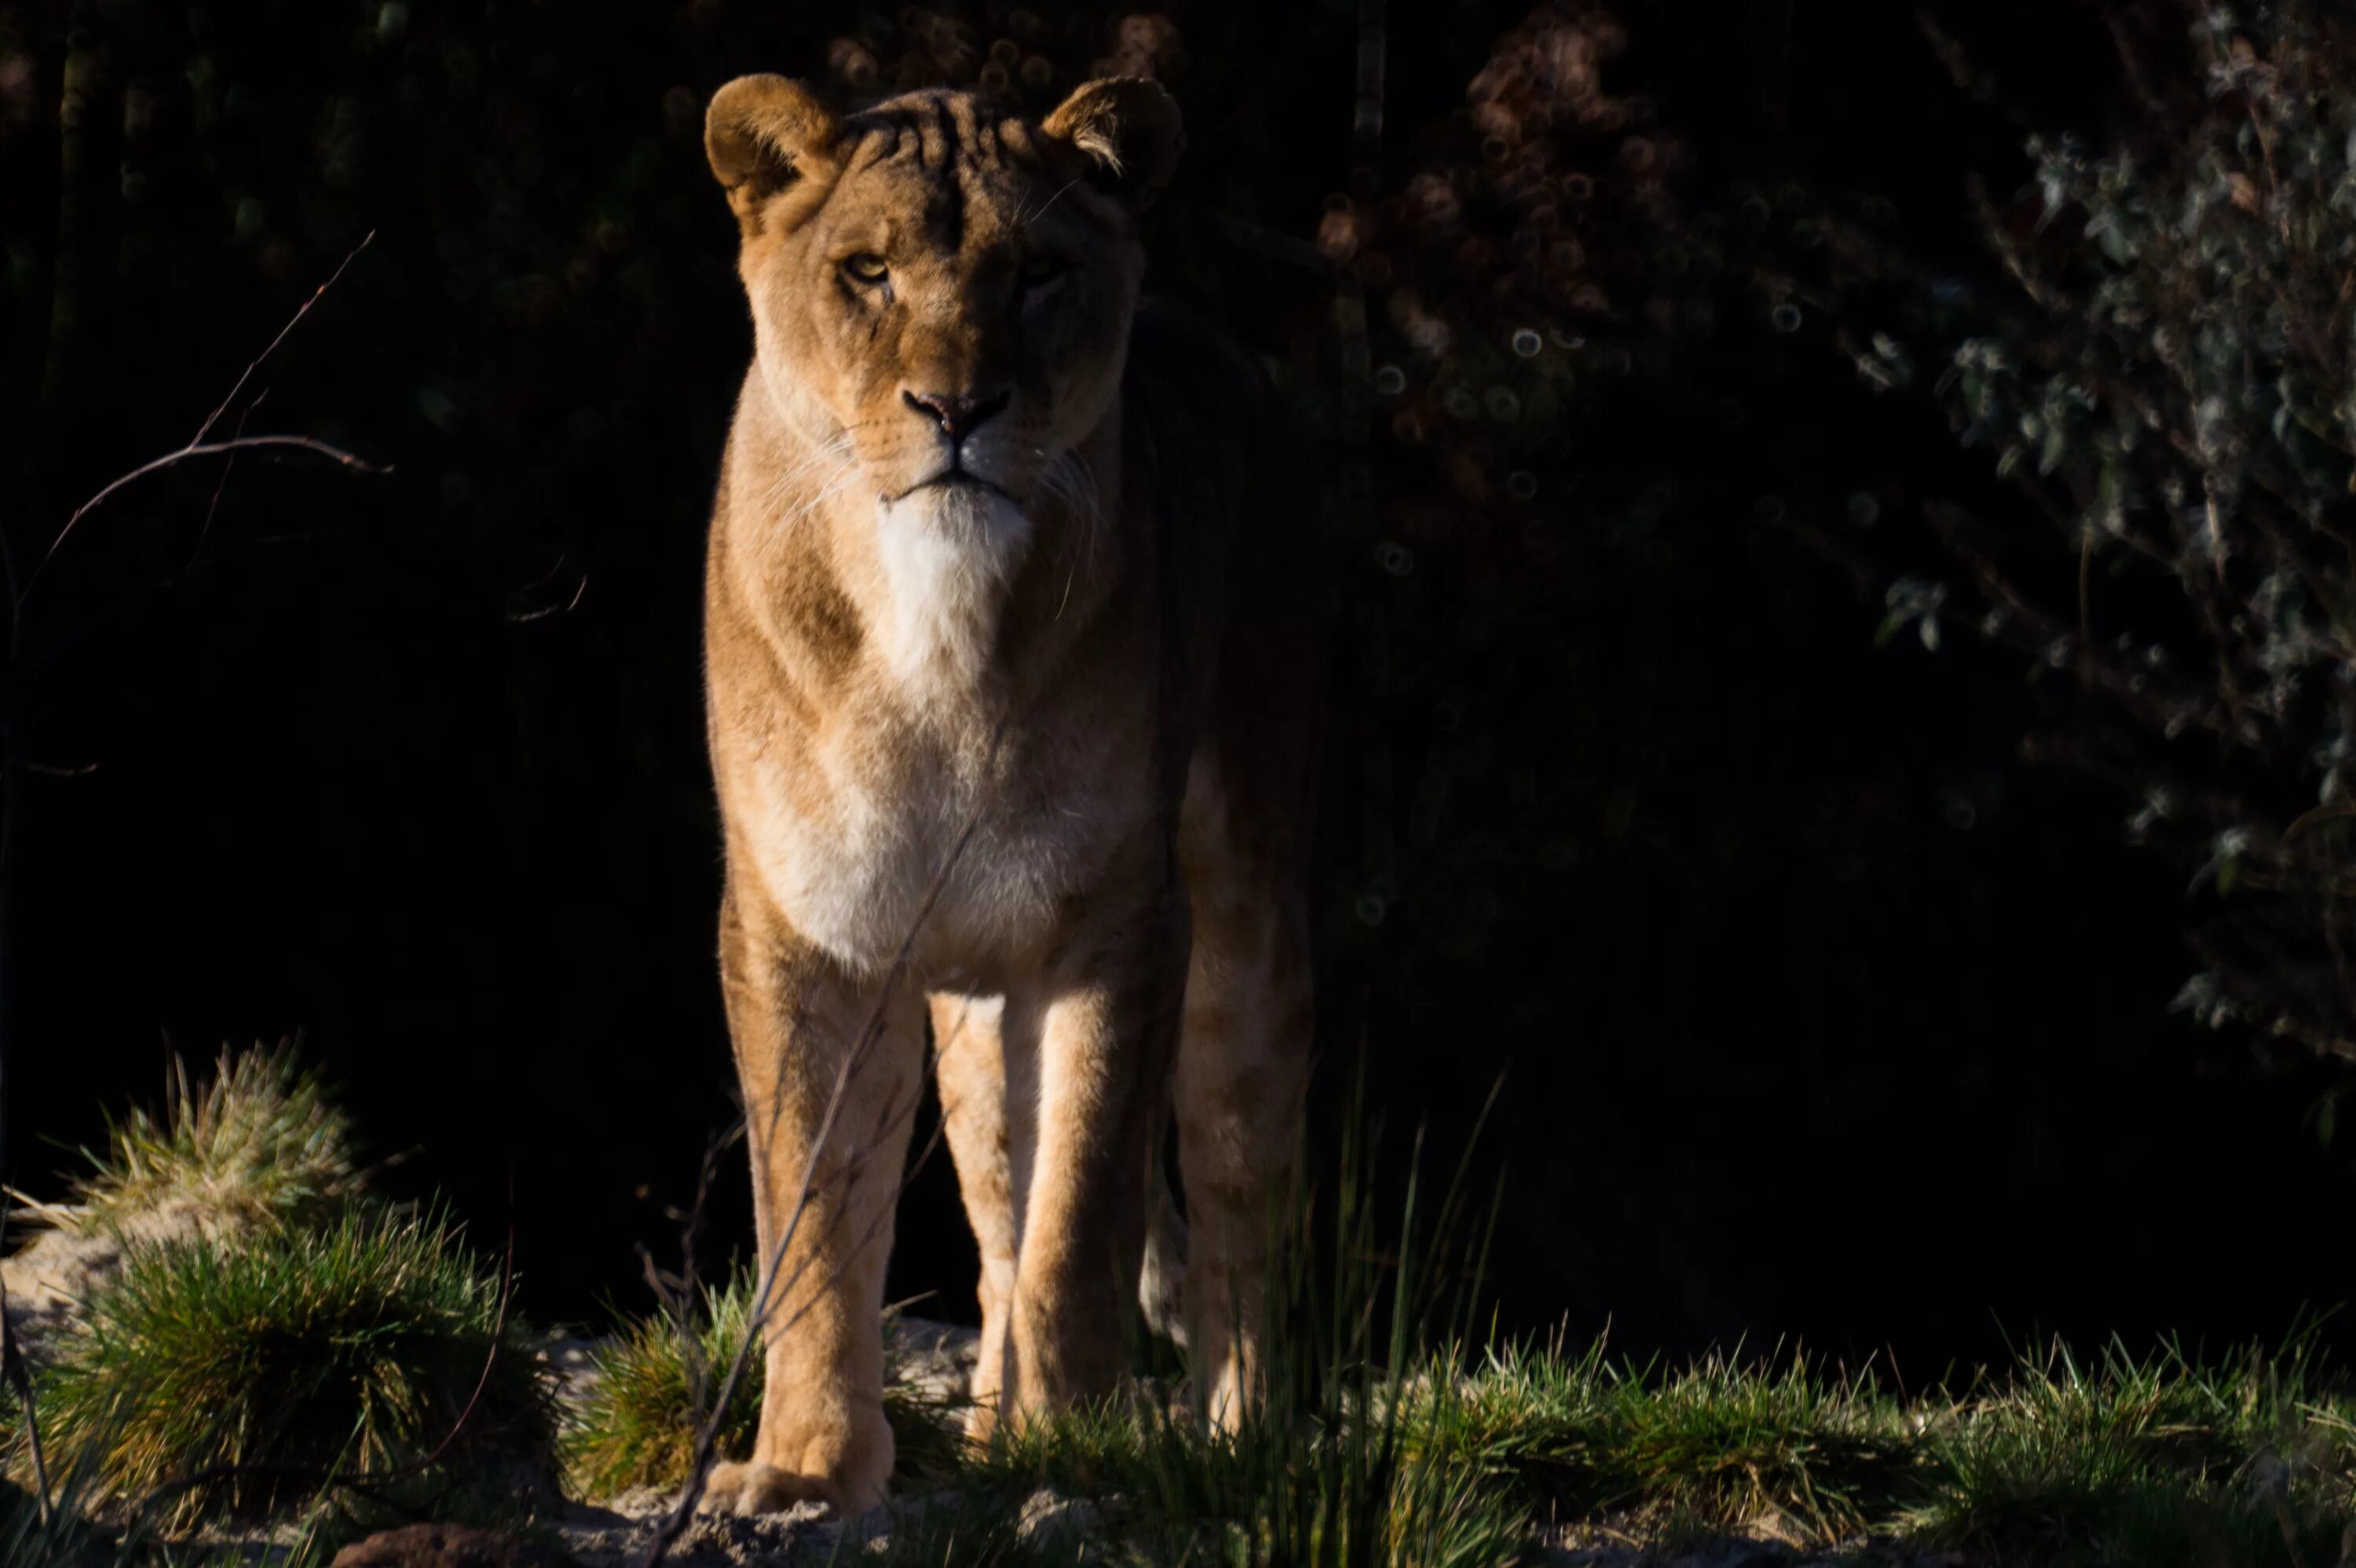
[1822, 1016]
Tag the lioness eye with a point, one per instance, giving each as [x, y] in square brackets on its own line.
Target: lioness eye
[866, 267]
[1040, 271]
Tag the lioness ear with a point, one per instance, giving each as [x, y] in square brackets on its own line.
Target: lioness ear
[760, 132]
[1130, 126]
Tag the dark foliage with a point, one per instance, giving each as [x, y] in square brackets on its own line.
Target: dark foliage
[2162, 378]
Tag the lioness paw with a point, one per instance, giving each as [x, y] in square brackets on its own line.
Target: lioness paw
[757, 1488]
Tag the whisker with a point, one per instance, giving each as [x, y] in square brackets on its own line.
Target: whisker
[1023, 223]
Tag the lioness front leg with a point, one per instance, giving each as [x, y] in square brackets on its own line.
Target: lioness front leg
[1108, 1021]
[811, 1037]
[978, 1076]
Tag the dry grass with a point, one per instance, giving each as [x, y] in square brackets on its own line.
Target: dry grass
[257, 1142]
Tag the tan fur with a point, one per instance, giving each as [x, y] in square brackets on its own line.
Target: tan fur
[1048, 725]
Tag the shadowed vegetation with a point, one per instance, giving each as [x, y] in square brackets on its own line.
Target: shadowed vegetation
[237, 1378]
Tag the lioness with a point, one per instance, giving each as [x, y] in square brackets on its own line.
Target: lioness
[1011, 676]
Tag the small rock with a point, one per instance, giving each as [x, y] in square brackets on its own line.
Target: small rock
[1049, 1517]
[449, 1546]
[735, 1539]
[935, 1358]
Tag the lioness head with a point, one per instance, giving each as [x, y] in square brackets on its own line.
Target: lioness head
[941, 292]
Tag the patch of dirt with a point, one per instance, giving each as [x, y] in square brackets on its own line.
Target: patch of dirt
[613, 1537]
[47, 1280]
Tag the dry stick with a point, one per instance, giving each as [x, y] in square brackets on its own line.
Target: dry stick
[891, 1120]
[678, 1304]
[707, 1441]
[546, 611]
[12, 1368]
[200, 447]
[758, 1324]
[209, 449]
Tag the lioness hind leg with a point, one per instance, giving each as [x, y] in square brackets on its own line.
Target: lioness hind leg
[823, 1208]
[1242, 1070]
[971, 1065]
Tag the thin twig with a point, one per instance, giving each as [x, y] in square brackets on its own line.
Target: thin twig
[228, 466]
[707, 1441]
[293, 321]
[12, 1370]
[545, 611]
[677, 1297]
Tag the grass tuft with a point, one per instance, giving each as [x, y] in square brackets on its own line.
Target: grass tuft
[638, 1423]
[1777, 1447]
[234, 1377]
[258, 1142]
[2159, 1458]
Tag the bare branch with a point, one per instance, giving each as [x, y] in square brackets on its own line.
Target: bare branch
[213, 418]
[199, 446]
[170, 459]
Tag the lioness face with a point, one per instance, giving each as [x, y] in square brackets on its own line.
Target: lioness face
[941, 294]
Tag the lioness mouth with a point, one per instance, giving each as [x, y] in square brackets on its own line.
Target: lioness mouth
[952, 478]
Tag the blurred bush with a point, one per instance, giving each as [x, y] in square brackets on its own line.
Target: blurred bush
[2158, 363]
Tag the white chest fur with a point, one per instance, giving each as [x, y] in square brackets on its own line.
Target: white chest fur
[912, 806]
[949, 554]
[930, 846]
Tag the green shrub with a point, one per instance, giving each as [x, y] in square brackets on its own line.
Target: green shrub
[2155, 362]
[238, 1376]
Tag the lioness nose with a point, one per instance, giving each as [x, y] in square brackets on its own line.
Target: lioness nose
[956, 416]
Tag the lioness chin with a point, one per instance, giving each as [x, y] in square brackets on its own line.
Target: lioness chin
[1010, 669]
